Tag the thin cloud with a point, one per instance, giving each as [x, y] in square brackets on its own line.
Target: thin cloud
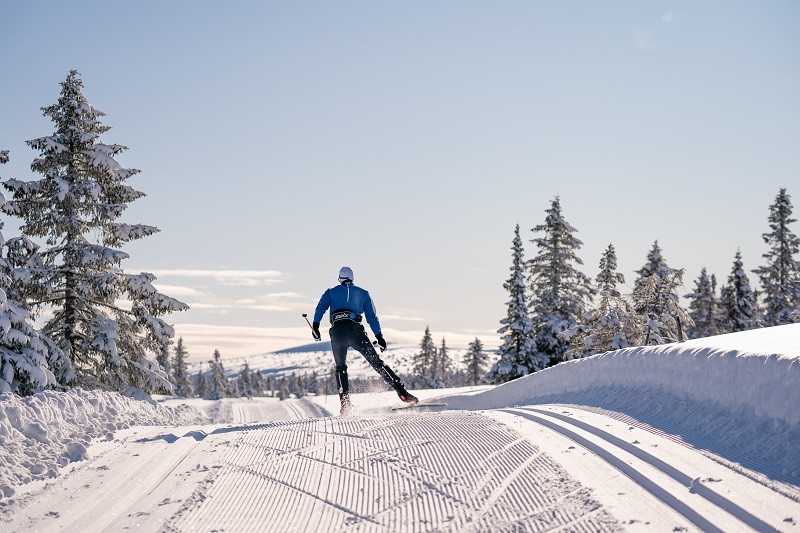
[405, 318]
[179, 291]
[236, 278]
[234, 341]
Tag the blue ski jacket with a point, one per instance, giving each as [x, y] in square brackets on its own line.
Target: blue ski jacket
[350, 297]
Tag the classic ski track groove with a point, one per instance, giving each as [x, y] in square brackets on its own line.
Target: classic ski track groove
[766, 467]
[360, 474]
[607, 447]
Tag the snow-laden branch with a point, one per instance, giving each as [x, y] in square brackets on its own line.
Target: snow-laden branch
[130, 232]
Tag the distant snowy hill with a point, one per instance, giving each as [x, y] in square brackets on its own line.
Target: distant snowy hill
[318, 358]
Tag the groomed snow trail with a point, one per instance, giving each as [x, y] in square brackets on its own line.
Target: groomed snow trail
[528, 468]
[692, 489]
[452, 471]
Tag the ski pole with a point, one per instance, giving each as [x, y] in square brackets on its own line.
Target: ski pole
[312, 327]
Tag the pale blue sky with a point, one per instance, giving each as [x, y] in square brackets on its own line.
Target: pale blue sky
[279, 141]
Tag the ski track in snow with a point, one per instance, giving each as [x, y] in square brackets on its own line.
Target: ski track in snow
[699, 490]
[411, 472]
[289, 466]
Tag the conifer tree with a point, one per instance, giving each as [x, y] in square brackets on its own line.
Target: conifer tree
[475, 361]
[200, 383]
[738, 302]
[180, 375]
[780, 277]
[25, 354]
[704, 307]
[424, 360]
[656, 300]
[517, 354]
[218, 384]
[75, 207]
[259, 384]
[613, 324]
[559, 292]
[246, 381]
[444, 366]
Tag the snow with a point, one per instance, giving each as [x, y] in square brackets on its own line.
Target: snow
[42, 433]
[699, 435]
[763, 377]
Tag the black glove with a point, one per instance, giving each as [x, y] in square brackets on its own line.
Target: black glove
[381, 341]
[315, 331]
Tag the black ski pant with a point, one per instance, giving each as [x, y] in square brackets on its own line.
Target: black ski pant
[349, 334]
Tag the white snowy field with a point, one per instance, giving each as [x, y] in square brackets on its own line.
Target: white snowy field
[698, 436]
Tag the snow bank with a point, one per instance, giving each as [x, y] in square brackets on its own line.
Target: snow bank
[741, 389]
[46, 431]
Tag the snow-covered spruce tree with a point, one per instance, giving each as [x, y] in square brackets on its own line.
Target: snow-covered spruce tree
[704, 307]
[656, 300]
[475, 361]
[200, 385]
[181, 385]
[560, 293]
[613, 324]
[258, 382]
[106, 321]
[25, 354]
[246, 381]
[424, 360]
[517, 355]
[218, 386]
[738, 301]
[780, 277]
[444, 367]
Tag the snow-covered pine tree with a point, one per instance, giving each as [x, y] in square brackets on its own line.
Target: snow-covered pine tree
[200, 384]
[656, 300]
[517, 355]
[423, 361]
[246, 381]
[444, 366]
[704, 307]
[738, 301]
[25, 354]
[613, 324]
[181, 385]
[218, 386]
[433, 371]
[780, 277]
[560, 293]
[75, 208]
[475, 361]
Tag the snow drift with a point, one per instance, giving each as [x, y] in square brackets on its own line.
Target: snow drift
[740, 390]
[46, 431]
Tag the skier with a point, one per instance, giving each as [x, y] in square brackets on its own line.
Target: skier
[347, 303]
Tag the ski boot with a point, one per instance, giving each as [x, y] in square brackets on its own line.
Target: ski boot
[404, 395]
[394, 381]
[347, 407]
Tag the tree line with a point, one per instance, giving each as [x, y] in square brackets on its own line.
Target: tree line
[555, 312]
[434, 368]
